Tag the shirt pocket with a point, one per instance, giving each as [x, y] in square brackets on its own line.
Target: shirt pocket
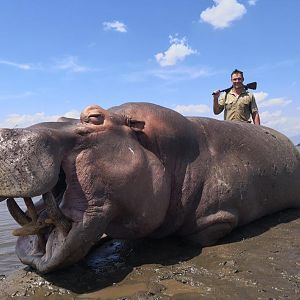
[229, 104]
[244, 105]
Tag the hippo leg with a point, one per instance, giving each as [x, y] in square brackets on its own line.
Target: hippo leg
[212, 228]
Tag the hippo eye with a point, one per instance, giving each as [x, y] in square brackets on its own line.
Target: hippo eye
[96, 119]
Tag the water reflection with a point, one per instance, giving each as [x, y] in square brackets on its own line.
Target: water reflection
[8, 259]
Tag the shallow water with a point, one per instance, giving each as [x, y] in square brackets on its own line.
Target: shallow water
[8, 259]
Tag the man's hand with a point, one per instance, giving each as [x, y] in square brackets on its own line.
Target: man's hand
[216, 93]
[216, 107]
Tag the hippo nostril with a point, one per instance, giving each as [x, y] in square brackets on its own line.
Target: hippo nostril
[56, 215]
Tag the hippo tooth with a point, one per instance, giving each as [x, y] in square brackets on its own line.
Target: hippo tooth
[55, 214]
[28, 228]
[16, 212]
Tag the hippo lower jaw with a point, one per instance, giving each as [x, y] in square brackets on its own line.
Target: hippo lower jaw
[48, 240]
[60, 251]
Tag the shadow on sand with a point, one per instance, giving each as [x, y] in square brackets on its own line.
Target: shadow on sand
[115, 259]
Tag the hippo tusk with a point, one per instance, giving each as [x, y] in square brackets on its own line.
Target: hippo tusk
[31, 209]
[28, 228]
[55, 214]
[16, 212]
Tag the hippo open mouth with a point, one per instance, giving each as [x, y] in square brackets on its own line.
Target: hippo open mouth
[44, 227]
[57, 230]
[40, 224]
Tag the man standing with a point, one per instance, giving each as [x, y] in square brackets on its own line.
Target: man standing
[239, 104]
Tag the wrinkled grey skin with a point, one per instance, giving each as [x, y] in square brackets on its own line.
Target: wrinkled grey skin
[141, 170]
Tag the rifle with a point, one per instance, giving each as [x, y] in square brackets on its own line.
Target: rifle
[251, 85]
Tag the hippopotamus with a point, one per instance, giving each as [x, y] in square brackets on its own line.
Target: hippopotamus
[139, 170]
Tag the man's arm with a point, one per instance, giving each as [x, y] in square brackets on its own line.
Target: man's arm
[254, 111]
[216, 107]
[256, 118]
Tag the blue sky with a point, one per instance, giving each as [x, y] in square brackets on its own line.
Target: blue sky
[58, 56]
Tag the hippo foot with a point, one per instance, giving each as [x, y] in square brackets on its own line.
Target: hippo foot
[213, 228]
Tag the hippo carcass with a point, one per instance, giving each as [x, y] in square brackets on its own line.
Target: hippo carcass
[140, 170]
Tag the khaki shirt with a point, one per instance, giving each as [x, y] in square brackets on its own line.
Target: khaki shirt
[238, 108]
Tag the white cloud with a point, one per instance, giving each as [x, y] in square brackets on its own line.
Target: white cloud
[16, 96]
[271, 119]
[91, 45]
[69, 63]
[192, 109]
[274, 120]
[178, 51]
[16, 65]
[223, 13]
[275, 102]
[278, 119]
[115, 25]
[72, 114]
[286, 124]
[172, 75]
[17, 120]
[261, 98]
[182, 73]
[252, 2]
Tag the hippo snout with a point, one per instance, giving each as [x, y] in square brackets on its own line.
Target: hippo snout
[29, 163]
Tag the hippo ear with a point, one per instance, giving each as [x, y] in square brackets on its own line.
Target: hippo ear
[135, 125]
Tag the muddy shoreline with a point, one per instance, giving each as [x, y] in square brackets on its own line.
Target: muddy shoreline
[257, 261]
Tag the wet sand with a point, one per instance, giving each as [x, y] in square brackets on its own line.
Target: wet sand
[258, 261]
